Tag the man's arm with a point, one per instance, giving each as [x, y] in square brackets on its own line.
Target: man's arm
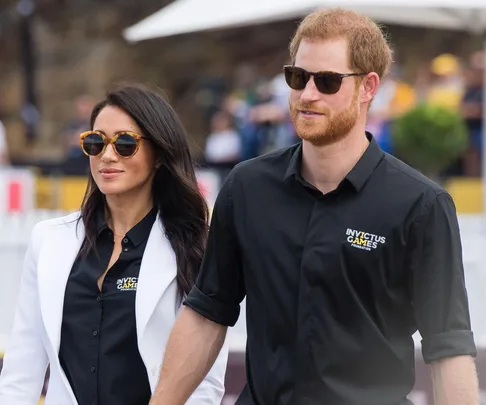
[213, 304]
[455, 381]
[440, 303]
[193, 346]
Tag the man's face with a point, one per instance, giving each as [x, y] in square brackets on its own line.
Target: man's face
[318, 118]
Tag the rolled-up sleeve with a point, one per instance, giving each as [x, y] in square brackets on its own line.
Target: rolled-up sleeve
[439, 292]
[219, 288]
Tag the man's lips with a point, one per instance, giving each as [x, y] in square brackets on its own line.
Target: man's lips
[310, 113]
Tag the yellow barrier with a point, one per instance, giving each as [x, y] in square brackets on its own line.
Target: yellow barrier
[72, 193]
[66, 193]
[467, 194]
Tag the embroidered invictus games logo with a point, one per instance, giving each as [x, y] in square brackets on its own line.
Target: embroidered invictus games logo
[364, 240]
[127, 284]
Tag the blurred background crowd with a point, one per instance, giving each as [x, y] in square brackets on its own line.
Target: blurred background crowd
[58, 57]
[252, 117]
[248, 116]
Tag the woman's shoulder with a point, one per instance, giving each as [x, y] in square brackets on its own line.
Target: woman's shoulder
[70, 220]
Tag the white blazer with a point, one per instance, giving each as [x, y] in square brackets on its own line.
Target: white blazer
[36, 333]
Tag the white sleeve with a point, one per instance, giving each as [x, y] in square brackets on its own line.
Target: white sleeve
[25, 362]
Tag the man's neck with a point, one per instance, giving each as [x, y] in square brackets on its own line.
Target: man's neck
[326, 166]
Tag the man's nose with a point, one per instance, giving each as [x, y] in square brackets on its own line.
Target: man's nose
[310, 92]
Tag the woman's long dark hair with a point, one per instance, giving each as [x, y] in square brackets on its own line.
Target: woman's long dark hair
[182, 207]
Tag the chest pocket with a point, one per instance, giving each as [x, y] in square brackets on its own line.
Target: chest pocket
[374, 258]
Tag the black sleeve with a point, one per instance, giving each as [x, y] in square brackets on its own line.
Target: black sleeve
[439, 292]
[219, 288]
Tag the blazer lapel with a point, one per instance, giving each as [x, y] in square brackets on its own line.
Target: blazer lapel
[59, 250]
[157, 270]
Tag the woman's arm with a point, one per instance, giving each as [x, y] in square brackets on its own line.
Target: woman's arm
[25, 362]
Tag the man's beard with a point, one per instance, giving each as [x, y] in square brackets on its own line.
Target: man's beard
[326, 129]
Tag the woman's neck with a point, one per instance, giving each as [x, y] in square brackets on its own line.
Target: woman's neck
[124, 213]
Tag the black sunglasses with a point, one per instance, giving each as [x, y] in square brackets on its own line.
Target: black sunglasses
[326, 82]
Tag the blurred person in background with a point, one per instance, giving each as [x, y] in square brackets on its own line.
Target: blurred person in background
[4, 156]
[272, 117]
[447, 83]
[223, 144]
[446, 88]
[101, 288]
[250, 92]
[75, 160]
[394, 98]
[342, 252]
[472, 112]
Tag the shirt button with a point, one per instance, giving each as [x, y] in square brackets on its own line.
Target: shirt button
[95, 333]
[125, 250]
[93, 369]
[98, 299]
[125, 240]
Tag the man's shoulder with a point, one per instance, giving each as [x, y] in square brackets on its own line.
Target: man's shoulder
[270, 164]
[410, 176]
[407, 178]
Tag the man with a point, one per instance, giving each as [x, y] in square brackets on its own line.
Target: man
[342, 251]
[76, 162]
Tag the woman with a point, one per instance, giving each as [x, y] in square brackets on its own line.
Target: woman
[101, 288]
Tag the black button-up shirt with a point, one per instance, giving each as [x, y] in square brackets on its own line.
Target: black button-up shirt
[99, 351]
[336, 284]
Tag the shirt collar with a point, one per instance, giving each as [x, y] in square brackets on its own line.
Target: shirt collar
[360, 173]
[138, 233]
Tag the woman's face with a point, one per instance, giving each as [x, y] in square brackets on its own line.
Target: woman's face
[117, 175]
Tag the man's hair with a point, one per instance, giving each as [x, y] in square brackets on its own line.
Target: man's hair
[367, 44]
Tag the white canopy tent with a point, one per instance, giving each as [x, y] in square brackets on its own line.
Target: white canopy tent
[185, 16]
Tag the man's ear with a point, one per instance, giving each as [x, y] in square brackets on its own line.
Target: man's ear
[370, 86]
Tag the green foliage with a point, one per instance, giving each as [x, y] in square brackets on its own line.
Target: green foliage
[430, 137]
